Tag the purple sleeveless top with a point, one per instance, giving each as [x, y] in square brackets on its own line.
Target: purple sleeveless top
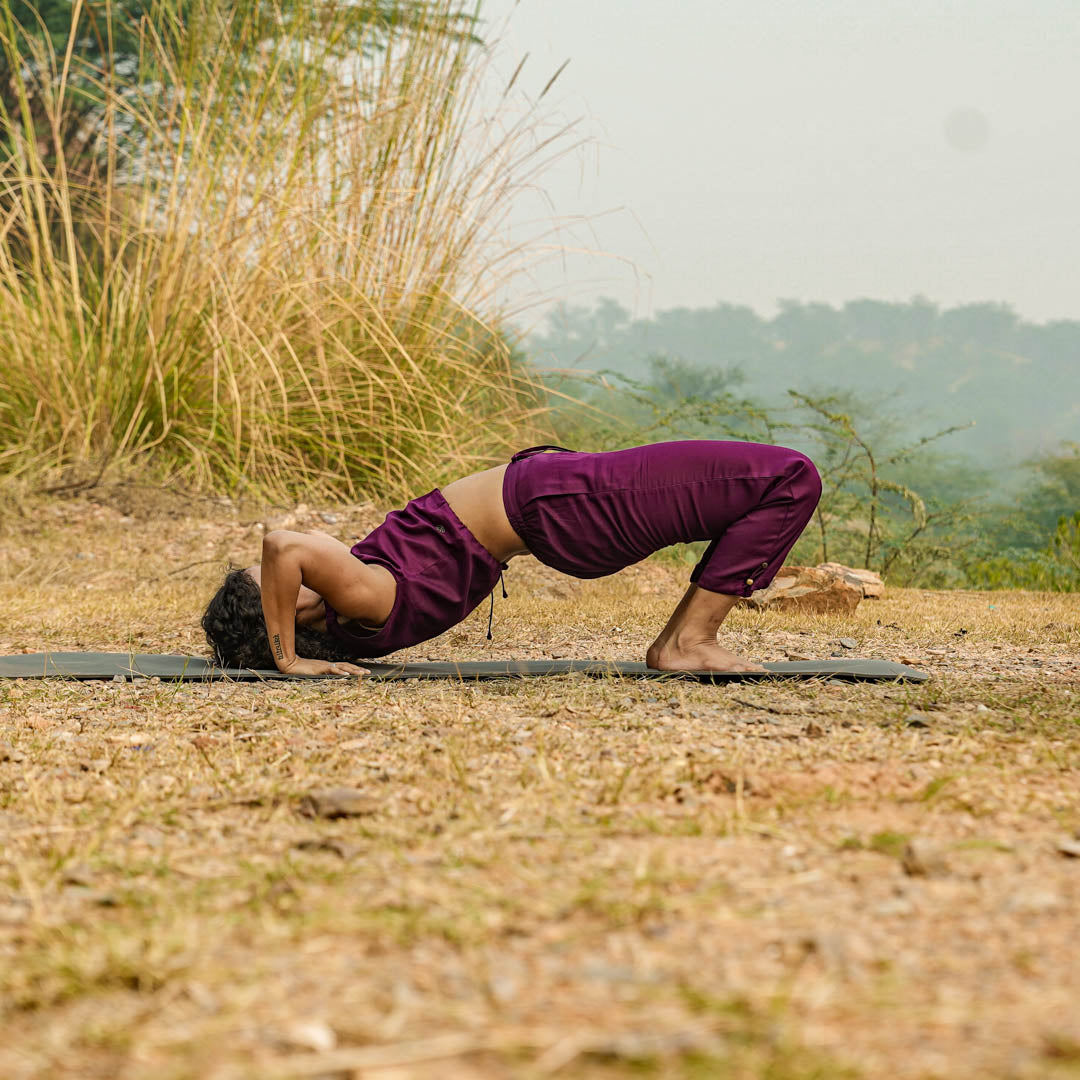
[442, 573]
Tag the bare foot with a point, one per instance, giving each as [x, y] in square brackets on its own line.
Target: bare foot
[702, 656]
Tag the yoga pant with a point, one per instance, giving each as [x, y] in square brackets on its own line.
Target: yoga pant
[592, 514]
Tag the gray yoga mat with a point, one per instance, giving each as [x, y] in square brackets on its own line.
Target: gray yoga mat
[78, 665]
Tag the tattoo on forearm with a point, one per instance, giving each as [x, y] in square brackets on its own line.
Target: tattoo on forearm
[277, 647]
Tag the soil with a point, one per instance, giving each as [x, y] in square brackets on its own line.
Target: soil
[551, 877]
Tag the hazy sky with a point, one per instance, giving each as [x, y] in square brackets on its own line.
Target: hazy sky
[746, 150]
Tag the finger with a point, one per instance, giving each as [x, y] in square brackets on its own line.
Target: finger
[352, 669]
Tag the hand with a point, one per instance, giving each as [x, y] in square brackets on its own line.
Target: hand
[301, 666]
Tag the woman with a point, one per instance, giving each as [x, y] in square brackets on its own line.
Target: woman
[315, 605]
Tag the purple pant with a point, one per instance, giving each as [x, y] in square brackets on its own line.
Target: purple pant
[592, 514]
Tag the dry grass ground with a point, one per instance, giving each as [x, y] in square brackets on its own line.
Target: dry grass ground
[556, 877]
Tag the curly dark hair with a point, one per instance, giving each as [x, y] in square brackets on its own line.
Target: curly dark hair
[236, 630]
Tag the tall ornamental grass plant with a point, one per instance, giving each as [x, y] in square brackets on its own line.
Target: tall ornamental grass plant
[273, 263]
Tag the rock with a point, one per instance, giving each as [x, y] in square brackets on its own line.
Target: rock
[133, 738]
[310, 1035]
[893, 907]
[10, 753]
[1069, 848]
[1033, 902]
[809, 589]
[848, 643]
[78, 874]
[813, 730]
[873, 588]
[280, 521]
[917, 720]
[334, 846]
[922, 860]
[329, 518]
[337, 802]
[203, 997]
[14, 910]
[727, 784]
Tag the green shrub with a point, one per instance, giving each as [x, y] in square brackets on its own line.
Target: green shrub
[1054, 569]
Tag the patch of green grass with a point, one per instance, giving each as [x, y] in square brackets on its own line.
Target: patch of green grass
[934, 786]
[888, 842]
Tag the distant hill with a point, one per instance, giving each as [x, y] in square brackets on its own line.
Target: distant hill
[930, 367]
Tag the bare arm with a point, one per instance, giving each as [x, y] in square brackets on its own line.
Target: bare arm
[324, 564]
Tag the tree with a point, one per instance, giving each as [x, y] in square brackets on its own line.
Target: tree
[61, 62]
[885, 522]
[1051, 494]
[991, 325]
[808, 329]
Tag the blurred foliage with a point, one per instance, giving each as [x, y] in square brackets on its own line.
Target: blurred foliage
[930, 367]
[1050, 490]
[1056, 568]
[874, 510]
[607, 410]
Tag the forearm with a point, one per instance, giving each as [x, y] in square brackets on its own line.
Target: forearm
[282, 576]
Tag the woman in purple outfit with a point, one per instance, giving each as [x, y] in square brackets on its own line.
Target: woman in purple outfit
[315, 605]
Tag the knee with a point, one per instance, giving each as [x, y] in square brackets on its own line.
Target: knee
[804, 478]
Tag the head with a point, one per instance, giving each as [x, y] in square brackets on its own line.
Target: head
[310, 606]
[236, 630]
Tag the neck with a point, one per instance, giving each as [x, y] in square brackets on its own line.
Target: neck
[314, 617]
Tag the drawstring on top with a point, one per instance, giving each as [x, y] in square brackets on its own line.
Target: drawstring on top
[491, 612]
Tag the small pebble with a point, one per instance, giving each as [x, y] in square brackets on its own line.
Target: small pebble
[893, 907]
[1032, 902]
[78, 874]
[849, 643]
[310, 1035]
[334, 846]
[337, 803]
[922, 860]
[10, 753]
